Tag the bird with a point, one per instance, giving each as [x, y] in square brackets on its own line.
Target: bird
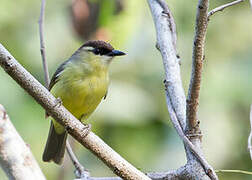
[81, 82]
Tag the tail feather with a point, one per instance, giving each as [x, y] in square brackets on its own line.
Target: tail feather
[55, 146]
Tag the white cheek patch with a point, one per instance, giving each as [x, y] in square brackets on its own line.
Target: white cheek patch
[88, 48]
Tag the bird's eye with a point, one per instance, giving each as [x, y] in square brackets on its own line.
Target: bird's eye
[96, 51]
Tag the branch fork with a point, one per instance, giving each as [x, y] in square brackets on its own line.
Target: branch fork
[221, 8]
[166, 43]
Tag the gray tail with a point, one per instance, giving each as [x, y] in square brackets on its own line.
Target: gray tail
[55, 146]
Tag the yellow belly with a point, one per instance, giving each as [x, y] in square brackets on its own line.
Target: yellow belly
[81, 96]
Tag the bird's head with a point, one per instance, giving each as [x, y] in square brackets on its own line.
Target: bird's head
[100, 50]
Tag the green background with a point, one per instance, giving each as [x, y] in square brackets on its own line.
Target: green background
[133, 119]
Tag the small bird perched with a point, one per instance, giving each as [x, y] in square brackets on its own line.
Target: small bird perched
[80, 82]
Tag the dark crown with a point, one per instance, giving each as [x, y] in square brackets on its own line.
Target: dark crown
[100, 47]
[98, 44]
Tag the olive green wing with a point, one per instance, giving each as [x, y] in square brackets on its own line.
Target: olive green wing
[55, 78]
[57, 74]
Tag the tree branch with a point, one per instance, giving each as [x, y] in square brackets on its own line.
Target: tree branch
[170, 61]
[208, 169]
[197, 65]
[221, 8]
[18, 162]
[175, 97]
[77, 129]
[16, 158]
[74, 127]
[172, 25]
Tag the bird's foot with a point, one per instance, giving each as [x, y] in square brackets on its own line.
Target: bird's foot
[86, 130]
[58, 102]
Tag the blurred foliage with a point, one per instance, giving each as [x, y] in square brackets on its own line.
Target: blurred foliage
[133, 119]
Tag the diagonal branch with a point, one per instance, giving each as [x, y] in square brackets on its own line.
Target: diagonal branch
[74, 127]
[80, 171]
[197, 65]
[221, 8]
[18, 162]
[16, 158]
[208, 169]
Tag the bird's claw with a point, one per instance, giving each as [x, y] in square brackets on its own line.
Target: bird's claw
[58, 102]
[86, 130]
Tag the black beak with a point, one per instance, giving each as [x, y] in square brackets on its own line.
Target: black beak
[116, 53]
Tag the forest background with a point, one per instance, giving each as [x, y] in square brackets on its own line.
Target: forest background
[133, 119]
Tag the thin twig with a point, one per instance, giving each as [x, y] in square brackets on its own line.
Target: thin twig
[42, 43]
[197, 66]
[250, 135]
[222, 7]
[79, 168]
[233, 171]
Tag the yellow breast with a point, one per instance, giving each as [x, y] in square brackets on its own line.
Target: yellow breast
[81, 92]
